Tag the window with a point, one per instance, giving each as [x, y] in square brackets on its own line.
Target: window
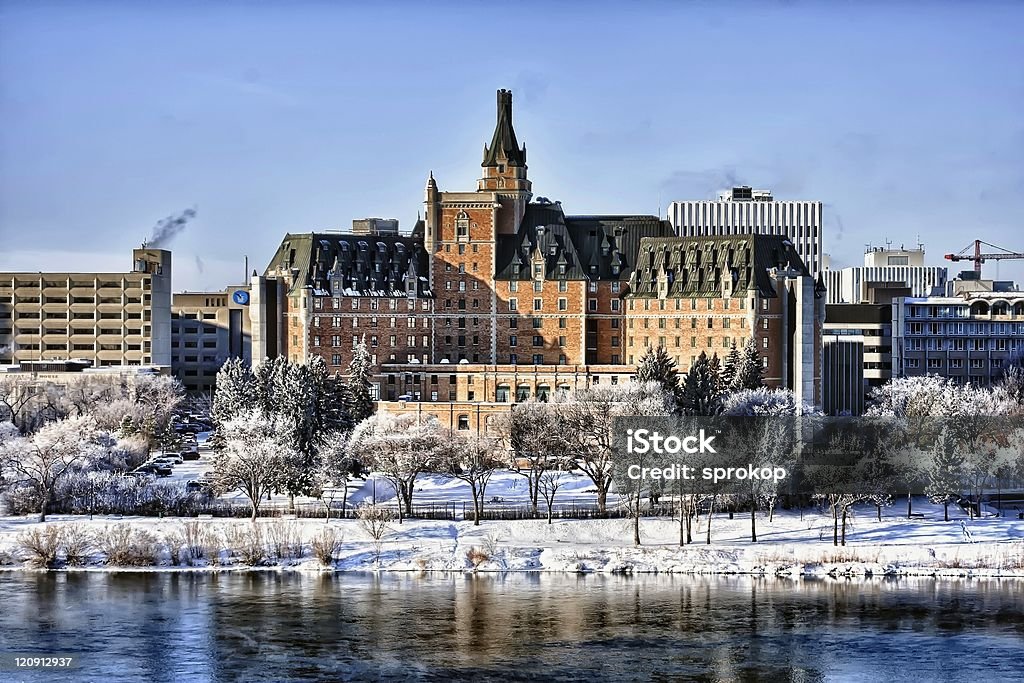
[513, 324]
[538, 359]
[513, 305]
[592, 304]
[537, 323]
[764, 343]
[335, 359]
[355, 304]
[563, 304]
[764, 324]
[538, 286]
[538, 304]
[538, 340]
[561, 341]
[463, 422]
[593, 285]
[316, 341]
[563, 286]
[513, 340]
[615, 323]
[615, 287]
[462, 225]
[615, 304]
[513, 286]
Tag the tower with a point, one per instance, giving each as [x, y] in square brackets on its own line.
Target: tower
[504, 167]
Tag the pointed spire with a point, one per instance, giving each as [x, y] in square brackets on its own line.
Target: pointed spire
[504, 145]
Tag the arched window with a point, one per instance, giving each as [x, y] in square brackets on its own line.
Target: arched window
[501, 393]
[979, 308]
[462, 225]
[463, 422]
[522, 392]
[543, 390]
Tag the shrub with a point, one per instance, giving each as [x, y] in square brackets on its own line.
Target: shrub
[285, 539]
[326, 544]
[245, 541]
[77, 542]
[477, 556]
[198, 540]
[40, 546]
[124, 546]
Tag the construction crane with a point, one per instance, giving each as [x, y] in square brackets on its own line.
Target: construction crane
[980, 257]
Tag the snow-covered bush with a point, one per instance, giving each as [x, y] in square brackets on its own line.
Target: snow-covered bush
[326, 544]
[40, 546]
[245, 541]
[285, 539]
[123, 545]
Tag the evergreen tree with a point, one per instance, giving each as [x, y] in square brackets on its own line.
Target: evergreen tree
[657, 366]
[715, 367]
[944, 483]
[729, 368]
[748, 374]
[236, 390]
[700, 392]
[360, 402]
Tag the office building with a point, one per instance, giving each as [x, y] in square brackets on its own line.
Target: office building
[744, 211]
[105, 319]
[886, 273]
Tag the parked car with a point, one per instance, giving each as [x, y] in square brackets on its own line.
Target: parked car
[190, 455]
[198, 485]
[173, 457]
[163, 471]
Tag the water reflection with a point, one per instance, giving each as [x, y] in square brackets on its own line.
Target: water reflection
[286, 626]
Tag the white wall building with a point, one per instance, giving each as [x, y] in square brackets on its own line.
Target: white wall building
[743, 210]
[884, 269]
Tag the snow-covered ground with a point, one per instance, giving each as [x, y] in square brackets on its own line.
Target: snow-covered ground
[791, 544]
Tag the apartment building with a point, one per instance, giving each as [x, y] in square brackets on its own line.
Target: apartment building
[106, 319]
[744, 211]
[694, 295]
[969, 334]
[207, 328]
[886, 273]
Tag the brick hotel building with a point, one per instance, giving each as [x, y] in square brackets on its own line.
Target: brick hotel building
[496, 296]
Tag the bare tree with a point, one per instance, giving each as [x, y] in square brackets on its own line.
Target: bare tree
[548, 484]
[536, 440]
[474, 460]
[374, 520]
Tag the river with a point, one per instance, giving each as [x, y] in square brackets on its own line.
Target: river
[255, 626]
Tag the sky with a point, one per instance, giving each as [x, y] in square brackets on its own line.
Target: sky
[272, 117]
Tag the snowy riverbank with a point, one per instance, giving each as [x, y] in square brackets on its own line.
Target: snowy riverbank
[790, 545]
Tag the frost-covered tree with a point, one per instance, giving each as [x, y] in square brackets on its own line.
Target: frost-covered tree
[944, 473]
[255, 453]
[399, 447]
[657, 366]
[473, 459]
[534, 436]
[360, 370]
[769, 440]
[236, 393]
[40, 461]
[335, 465]
[730, 366]
[700, 394]
[749, 371]
[588, 418]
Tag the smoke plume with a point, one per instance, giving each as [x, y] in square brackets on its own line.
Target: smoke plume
[169, 228]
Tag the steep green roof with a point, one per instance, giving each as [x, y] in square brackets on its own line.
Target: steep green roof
[698, 266]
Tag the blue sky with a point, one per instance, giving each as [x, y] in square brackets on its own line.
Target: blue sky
[905, 119]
